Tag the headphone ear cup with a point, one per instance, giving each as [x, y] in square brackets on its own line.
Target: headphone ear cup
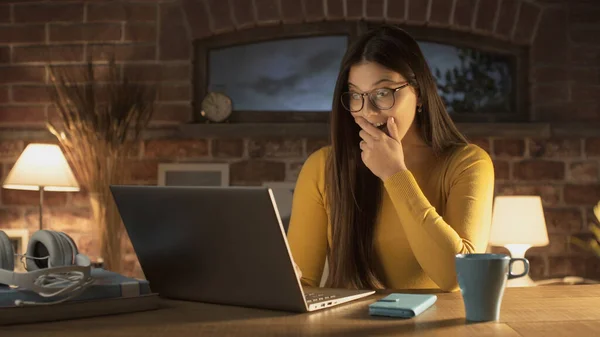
[7, 254]
[72, 246]
[48, 243]
[78, 258]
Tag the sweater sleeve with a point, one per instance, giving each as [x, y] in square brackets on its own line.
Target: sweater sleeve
[307, 231]
[465, 226]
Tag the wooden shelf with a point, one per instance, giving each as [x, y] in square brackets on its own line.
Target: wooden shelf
[321, 131]
[252, 130]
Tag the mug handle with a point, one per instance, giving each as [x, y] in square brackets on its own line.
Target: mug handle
[513, 260]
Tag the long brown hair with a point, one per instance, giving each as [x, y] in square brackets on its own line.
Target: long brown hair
[352, 191]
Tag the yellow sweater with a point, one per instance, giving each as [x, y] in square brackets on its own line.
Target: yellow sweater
[428, 215]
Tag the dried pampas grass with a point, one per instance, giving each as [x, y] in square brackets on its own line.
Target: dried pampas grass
[100, 117]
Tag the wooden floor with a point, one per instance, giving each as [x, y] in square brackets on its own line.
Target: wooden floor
[540, 311]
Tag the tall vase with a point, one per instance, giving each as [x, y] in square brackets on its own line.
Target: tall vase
[108, 230]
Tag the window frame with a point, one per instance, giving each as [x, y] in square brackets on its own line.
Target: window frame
[519, 74]
[264, 34]
[352, 30]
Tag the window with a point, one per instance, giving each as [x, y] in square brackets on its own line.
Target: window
[287, 73]
[469, 80]
[480, 79]
[282, 75]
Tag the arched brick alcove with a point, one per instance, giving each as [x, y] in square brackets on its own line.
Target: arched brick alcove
[513, 20]
[541, 27]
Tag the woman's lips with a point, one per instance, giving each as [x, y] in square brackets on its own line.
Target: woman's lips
[383, 128]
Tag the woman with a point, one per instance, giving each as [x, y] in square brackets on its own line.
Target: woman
[399, 192]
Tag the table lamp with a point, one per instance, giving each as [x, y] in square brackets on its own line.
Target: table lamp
[41, 167]
[518, 224]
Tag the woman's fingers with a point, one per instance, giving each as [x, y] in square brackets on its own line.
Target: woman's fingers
[366, 136]
[362, 145]
[372, 131]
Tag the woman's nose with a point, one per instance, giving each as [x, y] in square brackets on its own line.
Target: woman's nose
[369, 110]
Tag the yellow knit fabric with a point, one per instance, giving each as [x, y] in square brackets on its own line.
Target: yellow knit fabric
[428, 215]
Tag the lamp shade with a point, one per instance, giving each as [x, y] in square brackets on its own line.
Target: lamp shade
[41, 165]
[518, 220]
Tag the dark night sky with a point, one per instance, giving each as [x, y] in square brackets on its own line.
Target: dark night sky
[296, 74]
[293, 74]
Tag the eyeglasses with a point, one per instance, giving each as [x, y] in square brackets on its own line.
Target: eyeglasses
[382, 98]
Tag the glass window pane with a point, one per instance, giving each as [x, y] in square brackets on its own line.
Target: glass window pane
[471, 81]
[286, 75]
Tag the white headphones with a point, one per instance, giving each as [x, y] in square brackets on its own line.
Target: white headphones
[53, 263]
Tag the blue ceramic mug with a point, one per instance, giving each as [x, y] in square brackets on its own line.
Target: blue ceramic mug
[482, 279]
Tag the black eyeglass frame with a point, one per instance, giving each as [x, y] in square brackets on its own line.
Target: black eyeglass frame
[362, 96]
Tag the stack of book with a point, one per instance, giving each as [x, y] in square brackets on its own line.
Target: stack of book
[110, 293]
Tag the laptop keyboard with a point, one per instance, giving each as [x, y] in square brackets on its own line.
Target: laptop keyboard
[317, 297]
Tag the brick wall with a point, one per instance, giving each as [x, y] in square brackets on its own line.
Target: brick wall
[565, 173]
[154, 38]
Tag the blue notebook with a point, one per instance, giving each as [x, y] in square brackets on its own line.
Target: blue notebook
[402, 305]
[106, 285]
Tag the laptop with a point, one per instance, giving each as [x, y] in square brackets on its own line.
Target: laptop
[222, 245]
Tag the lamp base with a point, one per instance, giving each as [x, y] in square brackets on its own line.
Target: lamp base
[518, 251]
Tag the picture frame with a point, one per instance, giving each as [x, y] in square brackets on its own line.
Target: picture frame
[19, 239]
[193, 174]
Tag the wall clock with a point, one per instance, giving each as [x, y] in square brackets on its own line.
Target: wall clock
[216, 107]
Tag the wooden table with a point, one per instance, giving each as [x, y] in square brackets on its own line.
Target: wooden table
[541, 311]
